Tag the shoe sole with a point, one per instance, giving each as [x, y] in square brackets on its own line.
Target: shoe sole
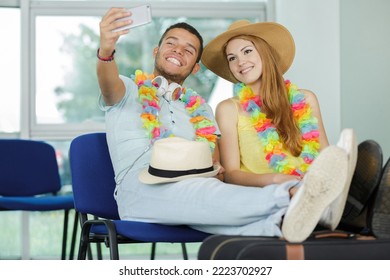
[323, 183]
[380, 222]
[363, 183]
[348, 137]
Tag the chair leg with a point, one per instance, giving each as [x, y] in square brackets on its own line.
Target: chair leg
[184, 249]
[153, 251]
[98, 247]
[99, 251]
[89, 252]
[74, 234]
[112, 243]
[84, 243]
[64, 235]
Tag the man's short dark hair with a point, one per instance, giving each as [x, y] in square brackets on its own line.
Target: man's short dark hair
[190, 29]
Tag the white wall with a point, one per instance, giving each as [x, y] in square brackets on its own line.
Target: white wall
[365, 69]
[314, 25]
[343, 55]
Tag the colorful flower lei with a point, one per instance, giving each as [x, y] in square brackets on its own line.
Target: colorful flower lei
[269, 137]
[194, 104]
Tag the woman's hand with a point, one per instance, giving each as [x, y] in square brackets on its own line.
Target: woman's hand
[281, 178]
[220, 175]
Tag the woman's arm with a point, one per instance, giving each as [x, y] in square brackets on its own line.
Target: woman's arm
[311, 98]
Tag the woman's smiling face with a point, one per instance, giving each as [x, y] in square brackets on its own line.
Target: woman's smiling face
[244, 61]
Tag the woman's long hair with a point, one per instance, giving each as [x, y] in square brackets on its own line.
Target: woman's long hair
[274, 97]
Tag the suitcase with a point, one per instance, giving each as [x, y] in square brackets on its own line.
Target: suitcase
[320, 246]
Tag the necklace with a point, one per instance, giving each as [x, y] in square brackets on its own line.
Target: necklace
[278, 160]
[195, 107]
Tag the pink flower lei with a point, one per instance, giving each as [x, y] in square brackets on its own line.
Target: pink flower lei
[194, 104]
[269, 137]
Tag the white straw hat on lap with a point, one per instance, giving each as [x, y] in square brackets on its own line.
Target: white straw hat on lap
[175, 159]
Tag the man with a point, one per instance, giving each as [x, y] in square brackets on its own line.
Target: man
[144, 109]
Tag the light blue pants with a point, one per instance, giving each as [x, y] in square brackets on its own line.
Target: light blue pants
[205, 204]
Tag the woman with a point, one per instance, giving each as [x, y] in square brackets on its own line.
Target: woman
[271, 132]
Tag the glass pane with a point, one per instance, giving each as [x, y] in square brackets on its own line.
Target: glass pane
[66, 86]
[10, 223]
[10, 70]
[62, 151]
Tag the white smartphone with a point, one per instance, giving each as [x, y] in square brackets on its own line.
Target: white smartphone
[139, 15]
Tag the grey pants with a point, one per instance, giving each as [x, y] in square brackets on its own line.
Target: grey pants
[206, 204]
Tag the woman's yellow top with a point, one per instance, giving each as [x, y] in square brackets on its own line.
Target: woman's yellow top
[252, 156]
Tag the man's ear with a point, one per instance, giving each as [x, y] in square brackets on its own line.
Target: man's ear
[195, 69]
[155, 50]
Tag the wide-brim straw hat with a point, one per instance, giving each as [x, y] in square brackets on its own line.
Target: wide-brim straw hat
[175, 159]
[276, 35]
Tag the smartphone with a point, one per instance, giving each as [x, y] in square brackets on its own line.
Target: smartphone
[139, 15]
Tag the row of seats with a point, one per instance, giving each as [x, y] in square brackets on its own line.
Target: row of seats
[30, 181]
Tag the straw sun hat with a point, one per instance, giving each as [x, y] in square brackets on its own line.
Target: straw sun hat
[276, 35]
[175, 159]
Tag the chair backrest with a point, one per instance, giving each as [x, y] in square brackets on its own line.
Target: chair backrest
[369, 165]
[93, 176]
[28, 168]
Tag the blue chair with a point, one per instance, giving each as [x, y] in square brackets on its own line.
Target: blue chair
[30, 181]
[93, 187]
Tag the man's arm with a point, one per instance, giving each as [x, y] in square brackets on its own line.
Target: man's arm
[111, 86]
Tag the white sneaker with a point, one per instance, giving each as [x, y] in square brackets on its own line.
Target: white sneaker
[322, 184]
[332, 215]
